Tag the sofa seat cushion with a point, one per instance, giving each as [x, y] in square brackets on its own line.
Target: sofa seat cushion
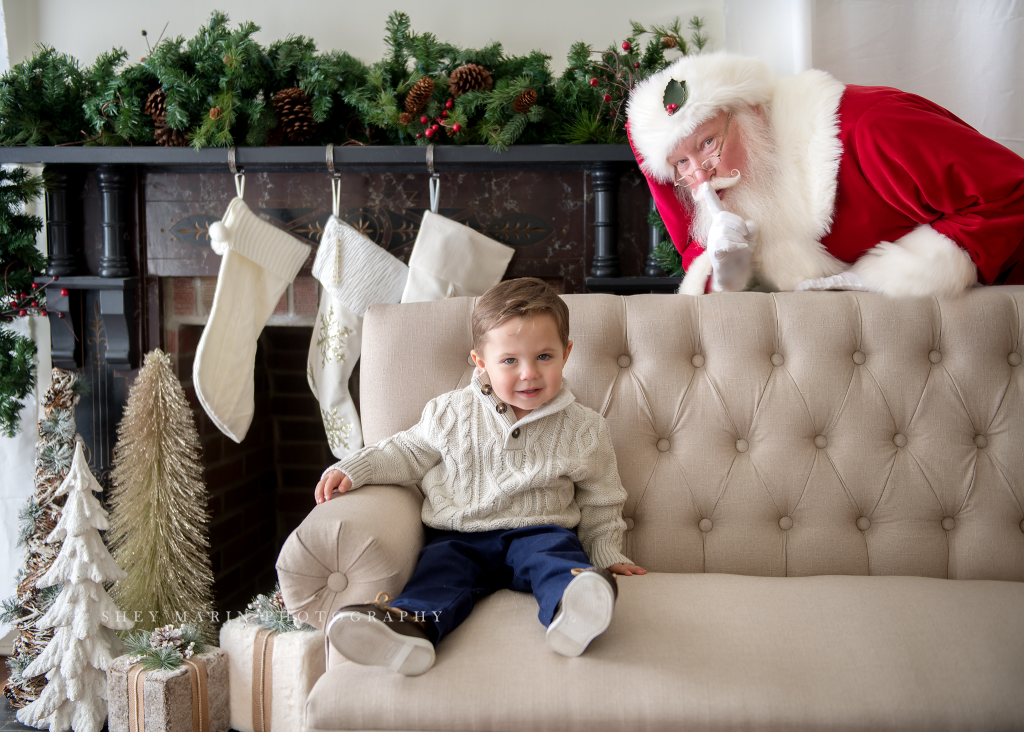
[707, 651]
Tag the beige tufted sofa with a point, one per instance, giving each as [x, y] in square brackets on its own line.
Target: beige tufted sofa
[826, 487]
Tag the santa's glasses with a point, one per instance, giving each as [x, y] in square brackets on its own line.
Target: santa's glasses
[706, 164]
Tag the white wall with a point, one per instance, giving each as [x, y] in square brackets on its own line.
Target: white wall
[85, 29]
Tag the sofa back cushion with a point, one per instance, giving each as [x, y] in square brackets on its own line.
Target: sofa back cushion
[776, 434]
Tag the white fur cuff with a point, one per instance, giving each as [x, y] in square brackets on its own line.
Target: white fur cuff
[922, 263]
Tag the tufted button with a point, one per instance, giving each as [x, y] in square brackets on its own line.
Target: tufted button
[899, 440]
[629, 524]
[935, 357]
[820, 442]
[336, 582]
[863, 523]
[501, 407]
[742, 445]
[778, 359]
[705, 525]
[623, 361]
[664, 445]
[486, 390]
[948, 523]
[1013, 359]
[515, 432]
[858, 358]
[785, 523]
[980, 441]
[697, 360]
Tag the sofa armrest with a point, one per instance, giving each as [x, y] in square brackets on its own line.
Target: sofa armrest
[349, 549]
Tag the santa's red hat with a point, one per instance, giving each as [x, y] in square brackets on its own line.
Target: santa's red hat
[699, 87]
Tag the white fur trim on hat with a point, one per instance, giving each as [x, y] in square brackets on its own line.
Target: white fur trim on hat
[714, 81]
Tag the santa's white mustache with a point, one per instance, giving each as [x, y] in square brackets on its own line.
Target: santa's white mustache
[718, 184]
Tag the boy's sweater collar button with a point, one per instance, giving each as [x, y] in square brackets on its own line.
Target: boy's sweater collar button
[515, 432]
[486, 390]
[501, 407]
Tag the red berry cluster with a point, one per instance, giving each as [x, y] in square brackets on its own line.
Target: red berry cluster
[434, 126]
[672, 108]
[26, 303]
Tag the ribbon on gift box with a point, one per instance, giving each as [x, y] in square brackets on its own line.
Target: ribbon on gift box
[200, 697]
[262, 679]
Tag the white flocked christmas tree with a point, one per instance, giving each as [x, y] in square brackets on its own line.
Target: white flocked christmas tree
[83, 616]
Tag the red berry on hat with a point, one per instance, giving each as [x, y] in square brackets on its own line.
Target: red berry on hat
[449, 104]
[34, 304]
[626, 46]
[22, 313]
[444, 113]
[64, 292]
[607, 97]
[456, 127]
[429, 132]
[435, 127]
[35, 285]
[424, 119]
[593, 82]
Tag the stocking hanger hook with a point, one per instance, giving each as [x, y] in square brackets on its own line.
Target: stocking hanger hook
[435, 180]
[238, 172]
[335, 181]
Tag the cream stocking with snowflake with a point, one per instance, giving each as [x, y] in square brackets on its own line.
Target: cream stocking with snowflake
[355, 273]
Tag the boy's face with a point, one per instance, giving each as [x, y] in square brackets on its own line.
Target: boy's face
[524, 360]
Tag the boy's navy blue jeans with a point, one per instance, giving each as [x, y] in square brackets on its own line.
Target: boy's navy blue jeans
[455, 569]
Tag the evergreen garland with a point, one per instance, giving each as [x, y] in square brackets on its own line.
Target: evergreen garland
[41, 100]
[20, 262]
[220, 87]
[665, 254]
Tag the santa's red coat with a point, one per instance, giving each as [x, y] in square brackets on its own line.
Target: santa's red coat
[906, 162]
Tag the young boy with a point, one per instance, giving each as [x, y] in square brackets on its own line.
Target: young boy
[509, 466]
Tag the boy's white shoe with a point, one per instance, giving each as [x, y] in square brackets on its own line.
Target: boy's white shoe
[585, 611]
[379, 635]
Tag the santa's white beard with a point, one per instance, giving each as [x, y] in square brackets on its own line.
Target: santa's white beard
[752, 194]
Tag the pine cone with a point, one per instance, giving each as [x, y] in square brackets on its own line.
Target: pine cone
[295, 114]
[405, 118]
[525, 101]
[167, 137]
[216, 112]
[275, 135]
[668, 41]
[470, 77]
[156, 105]
[419, 95]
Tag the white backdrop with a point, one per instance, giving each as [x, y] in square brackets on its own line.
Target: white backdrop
[967, 55]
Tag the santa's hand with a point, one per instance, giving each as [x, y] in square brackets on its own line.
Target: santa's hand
[730, 239]
[843, 281]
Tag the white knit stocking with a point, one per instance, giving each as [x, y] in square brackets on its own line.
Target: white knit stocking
[259, 260]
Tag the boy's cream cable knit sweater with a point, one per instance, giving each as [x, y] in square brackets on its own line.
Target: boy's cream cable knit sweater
[480, 471]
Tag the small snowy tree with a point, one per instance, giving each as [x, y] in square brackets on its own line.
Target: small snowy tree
[83, 616]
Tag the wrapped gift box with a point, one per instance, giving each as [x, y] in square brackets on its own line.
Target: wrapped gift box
[192, 698]
[271, 674]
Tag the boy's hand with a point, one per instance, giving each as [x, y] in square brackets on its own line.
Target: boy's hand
[626, 569]
[335, 480]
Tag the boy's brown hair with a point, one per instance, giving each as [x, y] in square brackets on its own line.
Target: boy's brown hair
[521, 298]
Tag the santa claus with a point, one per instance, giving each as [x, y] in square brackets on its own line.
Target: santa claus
[805, 183]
